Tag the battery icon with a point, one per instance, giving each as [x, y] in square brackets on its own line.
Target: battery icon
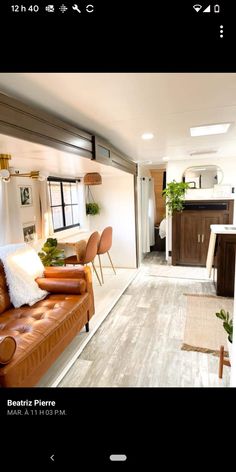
[216, 8]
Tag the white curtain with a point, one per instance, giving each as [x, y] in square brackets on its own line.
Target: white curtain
[147, 213]
[151, 212]
[5, 233]
[45, 210]
[83, 219]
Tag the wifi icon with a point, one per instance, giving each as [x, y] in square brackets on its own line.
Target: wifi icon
[197, 7]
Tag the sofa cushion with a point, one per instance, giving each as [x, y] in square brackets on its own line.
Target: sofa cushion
[42, 332]
[5, 302]
[64, 272]
[77, 286]
[7, 349]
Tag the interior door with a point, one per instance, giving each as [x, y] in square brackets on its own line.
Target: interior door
[208, 219]
[190, 238]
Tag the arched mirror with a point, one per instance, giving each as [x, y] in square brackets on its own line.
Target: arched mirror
[203, 176]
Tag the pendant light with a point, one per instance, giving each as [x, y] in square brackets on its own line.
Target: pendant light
[92, 178]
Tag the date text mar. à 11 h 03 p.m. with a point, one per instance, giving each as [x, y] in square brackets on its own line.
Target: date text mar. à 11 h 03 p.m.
[34, 412]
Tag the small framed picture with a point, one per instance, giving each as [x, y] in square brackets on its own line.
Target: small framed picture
[26, 196]
[29, 231]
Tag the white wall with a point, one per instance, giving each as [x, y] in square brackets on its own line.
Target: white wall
[20, 216]
[116, 198]
[175, 170]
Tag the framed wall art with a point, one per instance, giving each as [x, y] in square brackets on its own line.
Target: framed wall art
[26, 198]
[29, 232]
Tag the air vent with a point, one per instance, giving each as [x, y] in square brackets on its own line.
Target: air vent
[200, 153]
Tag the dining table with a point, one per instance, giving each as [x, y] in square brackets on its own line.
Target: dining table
[68, 243]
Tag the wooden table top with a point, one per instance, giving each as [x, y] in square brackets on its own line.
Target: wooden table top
[73, 239]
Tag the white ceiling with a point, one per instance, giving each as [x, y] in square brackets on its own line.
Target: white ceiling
[123, 106]
[26, 156]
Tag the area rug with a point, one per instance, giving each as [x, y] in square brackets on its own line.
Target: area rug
[204, 332]
[177, 272]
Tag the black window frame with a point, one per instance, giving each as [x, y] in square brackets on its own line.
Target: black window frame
[63, 204]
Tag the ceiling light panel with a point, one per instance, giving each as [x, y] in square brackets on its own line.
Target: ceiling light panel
[208, 130]
[147, 136]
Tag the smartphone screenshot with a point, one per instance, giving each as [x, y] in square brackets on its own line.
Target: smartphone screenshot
[117, 232]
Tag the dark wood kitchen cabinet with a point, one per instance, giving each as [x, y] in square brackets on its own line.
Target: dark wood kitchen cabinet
[189, 243]
[191, 229]
[225, 264]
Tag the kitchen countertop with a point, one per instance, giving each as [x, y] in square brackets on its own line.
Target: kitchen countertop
[209, 198]
[223, 229]
[74, 238]
[216, 229]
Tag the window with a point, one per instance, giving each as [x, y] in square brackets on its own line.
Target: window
[64, 203]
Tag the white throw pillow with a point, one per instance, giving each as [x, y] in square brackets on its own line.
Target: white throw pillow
[22, 266]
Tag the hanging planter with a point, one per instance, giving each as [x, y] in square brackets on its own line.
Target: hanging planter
[92, 208]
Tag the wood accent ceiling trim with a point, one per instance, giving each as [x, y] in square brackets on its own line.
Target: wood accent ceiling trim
[32, 124]
[28, 123]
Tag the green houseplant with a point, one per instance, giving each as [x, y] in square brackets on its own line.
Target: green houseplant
[92, 208]
[174, 194]
[50, 255]
[227, 323]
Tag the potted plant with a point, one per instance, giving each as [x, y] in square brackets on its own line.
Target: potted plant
[50, 255]
[92, 208]
[174, 194]
[228, 326]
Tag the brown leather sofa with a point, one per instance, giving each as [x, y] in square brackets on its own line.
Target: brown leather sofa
[32, 337]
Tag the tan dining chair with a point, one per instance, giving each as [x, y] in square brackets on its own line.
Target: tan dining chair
[104, 247]
[86, 252]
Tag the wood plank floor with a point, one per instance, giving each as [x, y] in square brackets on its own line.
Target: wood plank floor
[139, 343]
[105, 298]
